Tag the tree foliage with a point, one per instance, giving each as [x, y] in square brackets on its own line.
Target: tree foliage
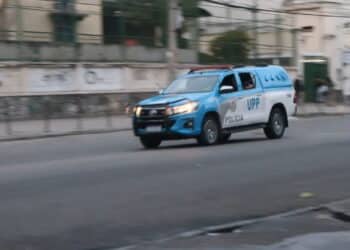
[231, 47]
[153, 11]
[139, 18]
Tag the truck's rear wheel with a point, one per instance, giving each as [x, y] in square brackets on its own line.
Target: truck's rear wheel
[277, 124]
[150, 142]
[210, 132]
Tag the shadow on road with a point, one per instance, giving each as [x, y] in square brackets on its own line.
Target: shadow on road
[196, 145]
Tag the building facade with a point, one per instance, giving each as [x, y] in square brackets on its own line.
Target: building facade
[294, 33]
[322, 36]
[271, 32]
[89, 30]
[67, 21]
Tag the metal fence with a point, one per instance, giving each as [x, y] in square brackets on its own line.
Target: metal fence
[70, 113]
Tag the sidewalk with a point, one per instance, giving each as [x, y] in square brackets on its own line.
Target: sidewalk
[60, 127]
[17, 130]
[313, 109]
[323, 228]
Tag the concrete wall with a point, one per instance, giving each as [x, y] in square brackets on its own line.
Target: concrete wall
[35, 51]
[93, 78]
[62, 79]
[68, 90]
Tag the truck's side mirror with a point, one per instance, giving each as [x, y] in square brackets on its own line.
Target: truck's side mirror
[226, 89]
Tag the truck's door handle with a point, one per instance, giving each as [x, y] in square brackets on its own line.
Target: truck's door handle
[240, 98]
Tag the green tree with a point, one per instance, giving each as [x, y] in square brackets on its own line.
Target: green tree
[231, 47]
[141, 18]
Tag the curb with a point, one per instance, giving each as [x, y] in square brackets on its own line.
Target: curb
[74, 133]
[106, 131]
[243, 223]
[321, 114]
[233, 225]
[331, 206]
[323, 110]
[338, 211]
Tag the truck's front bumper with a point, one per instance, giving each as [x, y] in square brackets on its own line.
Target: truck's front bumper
[175, 127]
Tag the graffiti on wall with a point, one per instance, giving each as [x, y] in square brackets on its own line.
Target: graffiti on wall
[77, 79]
[50, 80]
[101, 79]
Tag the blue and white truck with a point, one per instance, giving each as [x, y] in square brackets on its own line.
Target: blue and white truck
[210, 103]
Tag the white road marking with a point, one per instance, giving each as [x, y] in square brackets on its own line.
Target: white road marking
[293, 118]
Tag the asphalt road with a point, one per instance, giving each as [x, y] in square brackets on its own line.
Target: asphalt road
[100, 191]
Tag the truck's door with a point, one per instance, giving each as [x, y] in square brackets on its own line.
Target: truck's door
[230, 113]
[251, 98]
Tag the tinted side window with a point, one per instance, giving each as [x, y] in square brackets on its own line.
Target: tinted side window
[247, 81]
[229, 82]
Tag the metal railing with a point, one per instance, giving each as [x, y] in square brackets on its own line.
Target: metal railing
[57, 114]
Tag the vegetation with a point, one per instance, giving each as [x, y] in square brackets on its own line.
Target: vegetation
[142, 19]
[231, 47]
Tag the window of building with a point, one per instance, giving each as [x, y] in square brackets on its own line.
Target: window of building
[65, 30]
[64, 19]
[65, 5]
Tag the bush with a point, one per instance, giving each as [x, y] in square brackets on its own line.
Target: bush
[231, 47]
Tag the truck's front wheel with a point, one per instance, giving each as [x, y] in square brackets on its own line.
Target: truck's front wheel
[150, 142]
[210, 132]
[277, 124]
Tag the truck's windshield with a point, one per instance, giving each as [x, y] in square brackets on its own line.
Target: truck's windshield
[192, 85]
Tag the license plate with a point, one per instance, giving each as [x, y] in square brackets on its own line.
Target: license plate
[154, 129]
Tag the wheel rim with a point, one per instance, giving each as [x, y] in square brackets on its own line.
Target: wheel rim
[211, 131]
[278, 123]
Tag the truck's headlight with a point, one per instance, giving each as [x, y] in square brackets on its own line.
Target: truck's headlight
[137, 111]
[186, 108]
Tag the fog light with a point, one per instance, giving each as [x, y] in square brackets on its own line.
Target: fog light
[189, 124]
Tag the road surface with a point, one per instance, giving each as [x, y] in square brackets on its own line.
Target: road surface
[102, 191]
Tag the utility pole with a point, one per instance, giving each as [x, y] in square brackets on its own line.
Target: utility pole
[18, 9]
[278, 52]
[255, 31]
[295, 43]
[229, 14]
[19, 27]
[173, 9]
[295, 46]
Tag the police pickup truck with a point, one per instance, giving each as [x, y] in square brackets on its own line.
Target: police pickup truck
[210, 103]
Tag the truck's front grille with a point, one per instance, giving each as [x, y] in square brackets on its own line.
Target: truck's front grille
[153, 113]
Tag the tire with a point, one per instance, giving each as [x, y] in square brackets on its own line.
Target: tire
[277, 124]
[224, 138]
[150, 142]
[210, 134]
